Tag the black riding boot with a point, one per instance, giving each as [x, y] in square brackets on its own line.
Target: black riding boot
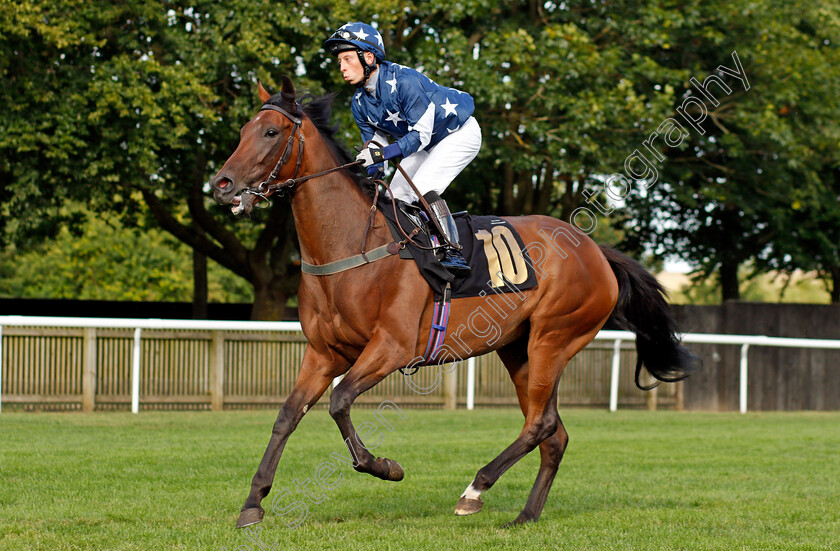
[453, 260]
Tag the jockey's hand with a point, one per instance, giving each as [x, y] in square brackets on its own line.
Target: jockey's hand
[370, 156]
[375, 171]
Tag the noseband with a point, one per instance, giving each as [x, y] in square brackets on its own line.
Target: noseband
[267, 186]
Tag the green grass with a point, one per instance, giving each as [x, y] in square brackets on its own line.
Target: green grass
[630, 480]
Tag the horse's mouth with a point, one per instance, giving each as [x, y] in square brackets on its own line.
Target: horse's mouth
[242, 203]
[235, 204]
[241, 200]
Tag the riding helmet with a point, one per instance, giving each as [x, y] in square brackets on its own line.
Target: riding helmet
[356, 36]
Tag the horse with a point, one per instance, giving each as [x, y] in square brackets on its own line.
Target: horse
[366, 323]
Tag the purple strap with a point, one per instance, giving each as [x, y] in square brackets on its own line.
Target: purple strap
[440, 319]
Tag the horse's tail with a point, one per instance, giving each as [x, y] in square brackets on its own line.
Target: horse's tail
[641, 308]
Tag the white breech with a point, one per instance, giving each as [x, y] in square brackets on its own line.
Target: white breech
[434, 169]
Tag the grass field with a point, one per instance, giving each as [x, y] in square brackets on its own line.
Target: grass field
[630, 480]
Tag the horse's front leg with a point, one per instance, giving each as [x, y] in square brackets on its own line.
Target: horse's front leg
[379, 359]
[316, 373]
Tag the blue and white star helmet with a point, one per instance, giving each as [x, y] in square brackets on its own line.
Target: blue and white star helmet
[356, 36]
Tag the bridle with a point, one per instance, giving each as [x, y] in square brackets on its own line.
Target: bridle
[267, 187]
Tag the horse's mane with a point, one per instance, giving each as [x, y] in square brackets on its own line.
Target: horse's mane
[318, 109]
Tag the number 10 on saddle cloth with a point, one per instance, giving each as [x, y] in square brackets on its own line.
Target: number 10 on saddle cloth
[491, 246]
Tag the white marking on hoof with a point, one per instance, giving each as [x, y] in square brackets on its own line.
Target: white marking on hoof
[470, 502]
[471, 492]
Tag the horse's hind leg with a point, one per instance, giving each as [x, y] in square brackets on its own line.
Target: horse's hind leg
[514, 357]
[536, 390]
[551, 453]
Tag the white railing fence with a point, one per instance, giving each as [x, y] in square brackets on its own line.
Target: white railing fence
[138, 325]
[745, 341]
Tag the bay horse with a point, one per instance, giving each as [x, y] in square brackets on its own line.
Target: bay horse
[366, 323]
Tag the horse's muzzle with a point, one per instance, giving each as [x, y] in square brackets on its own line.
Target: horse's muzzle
[225, 189]
[227, 192]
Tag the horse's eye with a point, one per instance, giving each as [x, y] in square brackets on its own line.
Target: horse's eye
[270, 133]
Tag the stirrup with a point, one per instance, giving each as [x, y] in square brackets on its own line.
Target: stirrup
[456, 264]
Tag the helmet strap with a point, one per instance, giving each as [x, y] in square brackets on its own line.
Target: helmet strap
[366, 67]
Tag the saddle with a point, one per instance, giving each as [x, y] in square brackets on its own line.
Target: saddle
[491, 246]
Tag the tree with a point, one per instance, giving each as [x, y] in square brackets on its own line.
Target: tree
[729, 193]
[130, 109]
[810, 236]
[106, 260]
[557, 104]
[144, 105]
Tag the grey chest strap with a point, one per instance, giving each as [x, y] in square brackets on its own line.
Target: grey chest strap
[351, 261]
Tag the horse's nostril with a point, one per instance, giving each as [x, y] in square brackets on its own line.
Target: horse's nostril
[223, 183]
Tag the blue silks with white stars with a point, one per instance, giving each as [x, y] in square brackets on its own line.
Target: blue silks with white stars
[411, 107]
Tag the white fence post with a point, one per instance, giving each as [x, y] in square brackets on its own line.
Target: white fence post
[744, 349]
[135, 373]
[89, 370]
[616, 363]
[470, 383]
[217, 370]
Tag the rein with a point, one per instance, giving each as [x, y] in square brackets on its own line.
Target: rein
[266, 187]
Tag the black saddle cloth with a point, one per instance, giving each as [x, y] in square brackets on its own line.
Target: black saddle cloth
[491, 246]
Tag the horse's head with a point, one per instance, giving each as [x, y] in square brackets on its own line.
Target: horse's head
[267, 152]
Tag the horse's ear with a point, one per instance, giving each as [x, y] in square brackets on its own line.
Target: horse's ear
[264, 95]
[288, 87]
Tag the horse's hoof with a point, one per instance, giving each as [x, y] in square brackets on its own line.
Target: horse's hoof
[394, 472]
[250, 516]
[467, 506]
[518, 521]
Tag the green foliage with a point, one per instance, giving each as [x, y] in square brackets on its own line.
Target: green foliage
[110, 262]
[738, 192]
[130, 108]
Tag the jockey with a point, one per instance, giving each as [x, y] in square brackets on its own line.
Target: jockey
[433, 126]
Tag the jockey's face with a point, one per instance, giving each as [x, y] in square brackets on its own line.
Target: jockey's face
[351, 68]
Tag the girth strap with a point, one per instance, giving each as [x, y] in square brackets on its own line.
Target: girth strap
[351, 261]
[440, 319]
